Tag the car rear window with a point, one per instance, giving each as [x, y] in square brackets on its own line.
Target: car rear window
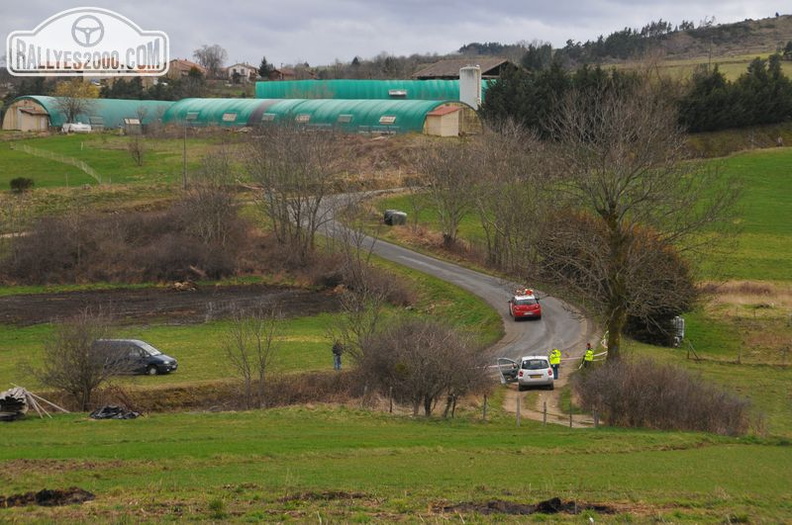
[534, 364]
[525, 301]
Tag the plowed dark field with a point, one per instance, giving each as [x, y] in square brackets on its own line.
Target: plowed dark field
[162, 304]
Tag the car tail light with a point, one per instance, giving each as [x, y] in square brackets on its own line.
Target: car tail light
[520, 373]
[550, 371]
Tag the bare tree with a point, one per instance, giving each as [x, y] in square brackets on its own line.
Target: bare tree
[15, 218]
[75, 97]
[621, 164]
[209, 206]
[366, 293]
[507, 195]
[74, 364]
[297, 169]
[212, 58]
[137, 149]
[421, 361]
[250, 345]
[452, 170]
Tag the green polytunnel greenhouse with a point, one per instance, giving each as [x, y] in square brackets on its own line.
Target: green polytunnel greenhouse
[217, 111]
[443, 118]
[39, 113]
[362, 89]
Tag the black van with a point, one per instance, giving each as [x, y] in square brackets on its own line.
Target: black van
[142, 358]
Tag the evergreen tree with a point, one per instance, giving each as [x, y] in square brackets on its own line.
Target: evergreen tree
[265, 68]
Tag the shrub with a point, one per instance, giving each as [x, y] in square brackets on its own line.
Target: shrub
[420, 361]
[644, 394]
[20, 184]
[128, 247]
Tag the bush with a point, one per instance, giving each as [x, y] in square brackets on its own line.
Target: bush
[20, 184]
[129, 247]
[644, 394]
[420, 361]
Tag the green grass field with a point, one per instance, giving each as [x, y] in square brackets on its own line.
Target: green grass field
[108, 154]
[326, 464]
[347, 465]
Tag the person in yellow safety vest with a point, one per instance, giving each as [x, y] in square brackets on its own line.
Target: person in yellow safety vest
[588, 357]
[555, 361]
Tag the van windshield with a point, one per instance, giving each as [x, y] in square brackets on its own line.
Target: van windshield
[150, 349]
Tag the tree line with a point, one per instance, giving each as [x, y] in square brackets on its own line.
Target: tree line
[705, 102]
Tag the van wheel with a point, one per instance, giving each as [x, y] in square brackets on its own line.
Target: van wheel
[151, 370]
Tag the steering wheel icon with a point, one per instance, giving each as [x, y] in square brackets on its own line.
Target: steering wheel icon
[87, 31]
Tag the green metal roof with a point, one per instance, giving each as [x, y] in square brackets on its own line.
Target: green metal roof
[361, 89]
[361, 116]
[111, 111]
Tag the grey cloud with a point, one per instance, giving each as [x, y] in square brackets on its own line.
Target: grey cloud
[319, 32]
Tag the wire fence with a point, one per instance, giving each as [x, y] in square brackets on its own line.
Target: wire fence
[63, 159]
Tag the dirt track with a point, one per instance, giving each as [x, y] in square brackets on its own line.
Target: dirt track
[162, 304]
[555, 413]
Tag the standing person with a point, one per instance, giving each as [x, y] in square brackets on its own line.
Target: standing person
[338, 349]
[588, 357]
[555, 361]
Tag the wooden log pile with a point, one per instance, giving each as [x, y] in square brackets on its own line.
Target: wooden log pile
[17, 401]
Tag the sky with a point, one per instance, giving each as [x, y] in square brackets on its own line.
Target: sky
[321, 32]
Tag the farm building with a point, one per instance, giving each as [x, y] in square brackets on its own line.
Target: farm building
[435, 117]
[40, 113]
[362, 89]
[491, 68]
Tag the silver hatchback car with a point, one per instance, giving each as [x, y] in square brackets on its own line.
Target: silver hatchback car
[535, 370]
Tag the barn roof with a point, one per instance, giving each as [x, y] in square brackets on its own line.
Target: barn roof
[491, 67]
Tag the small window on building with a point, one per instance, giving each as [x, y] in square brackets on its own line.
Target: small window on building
[267, 117]
[387, 119]
[344, 119]
[303, 118]
[191, 115]
[229, 117]
[397, 93]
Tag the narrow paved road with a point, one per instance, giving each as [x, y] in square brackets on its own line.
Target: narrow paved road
[560, 327]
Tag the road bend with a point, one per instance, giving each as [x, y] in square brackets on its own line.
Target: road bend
[561, 326]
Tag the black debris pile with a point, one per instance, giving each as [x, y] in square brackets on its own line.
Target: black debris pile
[550, 506]
[47, 498]
[114, 412]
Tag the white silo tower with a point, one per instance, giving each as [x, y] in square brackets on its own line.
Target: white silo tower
[470, 86]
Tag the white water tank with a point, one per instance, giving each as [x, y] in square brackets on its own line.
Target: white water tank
[470, 86]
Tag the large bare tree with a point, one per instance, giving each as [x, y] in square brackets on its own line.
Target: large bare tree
[621, 168]
[74, 364]
[75, 97]
[250, 345]
[297, 169]
[451, 170]
[212, 58]
[507, 194]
